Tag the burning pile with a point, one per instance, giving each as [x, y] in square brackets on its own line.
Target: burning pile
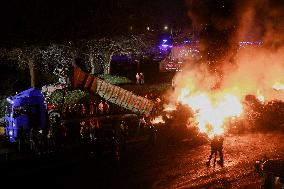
[215, 87]
[213, 108]
[211, 111]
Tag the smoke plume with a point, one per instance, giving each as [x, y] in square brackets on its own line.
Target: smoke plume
[228, 64]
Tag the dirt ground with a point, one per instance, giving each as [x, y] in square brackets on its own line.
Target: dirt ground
[182, 165]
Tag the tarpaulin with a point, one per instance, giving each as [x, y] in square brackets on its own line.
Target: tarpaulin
[111, 93]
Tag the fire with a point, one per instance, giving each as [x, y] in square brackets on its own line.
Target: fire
[157, 120]
[259, 96]
[169, 107]
[211, 111]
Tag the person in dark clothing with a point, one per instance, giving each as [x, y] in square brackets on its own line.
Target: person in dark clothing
[153, 135]
[216, 147]
[220, 150]
[124, 131]
[33, 140]
[21, 139]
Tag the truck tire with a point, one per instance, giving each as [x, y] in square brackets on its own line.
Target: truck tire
[52, 114]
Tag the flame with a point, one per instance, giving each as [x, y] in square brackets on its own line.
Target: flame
[169, 107]
[157, 120]
[259, 96]
[211, 111]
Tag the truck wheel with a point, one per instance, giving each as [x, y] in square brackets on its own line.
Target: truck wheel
[52, 114]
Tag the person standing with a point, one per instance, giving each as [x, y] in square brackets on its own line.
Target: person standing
[216, 148]
[141, 78]
[92, 108]
[137, 78]
[124, 131]
[140, 126]
[220, 150]
[153, 135]
[101, 107]
[106, 107]
[213, 145]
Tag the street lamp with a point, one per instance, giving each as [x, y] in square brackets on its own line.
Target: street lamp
[166, 27]
[148, 28]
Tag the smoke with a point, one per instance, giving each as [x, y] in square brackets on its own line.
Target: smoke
[257, 67]
[215, 22]
[261, 20]
[250, 69]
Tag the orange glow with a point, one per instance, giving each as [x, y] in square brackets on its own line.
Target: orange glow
[157, 120]
[260, 97]
[169, 107]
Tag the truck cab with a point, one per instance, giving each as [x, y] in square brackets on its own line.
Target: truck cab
[23, 111]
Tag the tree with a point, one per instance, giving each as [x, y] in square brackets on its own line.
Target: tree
[58, 55]
[40, 60]
[102, 50]
[26, 57]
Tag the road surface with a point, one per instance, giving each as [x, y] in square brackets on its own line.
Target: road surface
[183, 165]
[164, 165]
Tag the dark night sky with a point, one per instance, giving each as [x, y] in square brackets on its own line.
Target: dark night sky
[45, 20]
[56, 20]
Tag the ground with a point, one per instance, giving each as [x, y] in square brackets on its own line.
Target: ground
[167, 164]
[183, 165]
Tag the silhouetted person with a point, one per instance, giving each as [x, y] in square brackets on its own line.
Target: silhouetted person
[21, 139]
[216, 147]
[106, 107]
[153, 135]
[141, 78]
[220, 150]
[124, 131]
[101, 107]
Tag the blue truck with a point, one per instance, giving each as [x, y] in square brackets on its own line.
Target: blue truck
[23, 110]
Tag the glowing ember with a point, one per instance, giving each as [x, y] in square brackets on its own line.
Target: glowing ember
[211, 112]
[157, 120]
[169, 107]
[278, 86]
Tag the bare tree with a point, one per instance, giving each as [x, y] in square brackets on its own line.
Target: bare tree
[26, 57]
[102, 50]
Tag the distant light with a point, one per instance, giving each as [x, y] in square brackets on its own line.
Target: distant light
[166, 27]
[131, 27]
[165, 40]
[148, 28]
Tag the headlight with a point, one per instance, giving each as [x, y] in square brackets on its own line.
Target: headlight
[11, 133]
[14, 124]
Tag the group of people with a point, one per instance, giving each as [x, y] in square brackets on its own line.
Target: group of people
[139, 78]
[60, 134]
[82, 110]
